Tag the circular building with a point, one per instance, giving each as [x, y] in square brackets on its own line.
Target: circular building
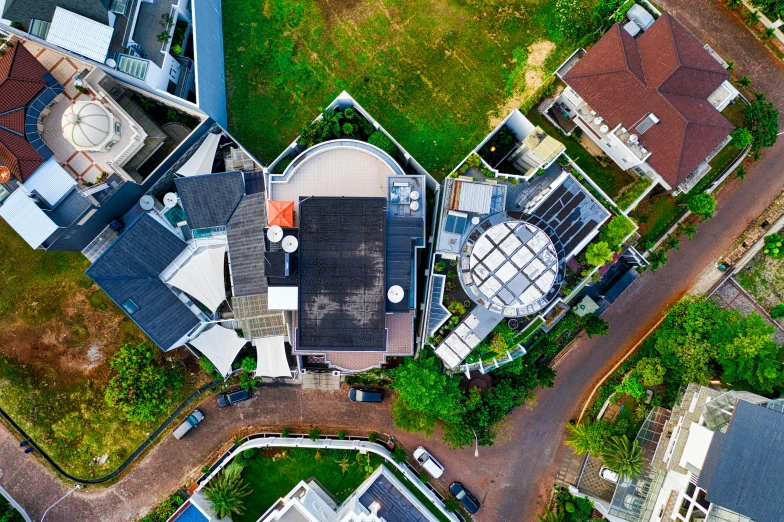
[511, 268]
[88, 126]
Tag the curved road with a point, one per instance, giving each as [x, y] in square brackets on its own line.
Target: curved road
[514, 477]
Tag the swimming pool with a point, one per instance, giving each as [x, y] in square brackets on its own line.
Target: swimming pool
[190, 514]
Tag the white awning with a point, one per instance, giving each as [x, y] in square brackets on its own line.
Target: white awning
[271, 357]
[201, 161]
[220, 345]
[80, 34]
[202, 277]
[24, 216]
[51, 182]
[283, 298]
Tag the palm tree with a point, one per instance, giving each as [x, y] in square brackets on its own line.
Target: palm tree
[623, 457]
[741, 172]
[745, 81]
[732, 4]
[768, 33]
[548, 515]
[657, 259]
[672, 242]
[688, 229]
[730, 64]
[226, 491]
[752, 18]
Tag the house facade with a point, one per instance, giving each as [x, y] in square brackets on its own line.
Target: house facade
[651, 100]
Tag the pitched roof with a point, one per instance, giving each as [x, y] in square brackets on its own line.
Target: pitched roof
[130, 269]
[665, 72]
[245, 234]
[281, 213]
[23, 11]
[21, 79]
[209, 200]
[749, 467]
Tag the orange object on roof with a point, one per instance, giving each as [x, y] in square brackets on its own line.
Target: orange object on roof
[280, 213]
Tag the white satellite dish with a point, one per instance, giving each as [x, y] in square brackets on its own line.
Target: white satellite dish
[147, 202]
[415, 205]
[170, 200]
[289, 244]
[414, 195]
[110, 62]
[475, 220]
[395, 293]
[603, 129]
[274, 233]
[633, 139]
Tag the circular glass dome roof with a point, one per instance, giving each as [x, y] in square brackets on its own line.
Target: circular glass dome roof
[87, 125]
[512, 267]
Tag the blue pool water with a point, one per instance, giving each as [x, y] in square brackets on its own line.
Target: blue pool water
[191, 514]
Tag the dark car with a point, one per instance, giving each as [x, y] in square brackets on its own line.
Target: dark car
[469, 502]
[229, 398]
[366, 394]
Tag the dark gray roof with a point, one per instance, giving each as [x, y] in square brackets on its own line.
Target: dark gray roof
[23, 11]
[245, 232]
[750, 467]
[711, 460]
[130, 269]
[209, 200]
[341, 274]
[402, 232]
[395, 507]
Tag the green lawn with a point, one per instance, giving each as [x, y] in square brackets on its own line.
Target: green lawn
[272, 478]
[611, 179]
[437, 74]
[59, 333]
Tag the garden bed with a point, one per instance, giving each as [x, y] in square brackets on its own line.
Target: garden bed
[763, 279]
[497, 148]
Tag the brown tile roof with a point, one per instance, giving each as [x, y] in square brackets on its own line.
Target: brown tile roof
[21, 79]
[665, 72]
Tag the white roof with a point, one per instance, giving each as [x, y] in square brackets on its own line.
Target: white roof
[87, 125]
[283, 298]
[202, 277]
[271, 357]
[220, 345]
[475, 197]
[448, 356]
[51, 182]
[79, 34]
[201, 161]
[24, 216]
[697, 446]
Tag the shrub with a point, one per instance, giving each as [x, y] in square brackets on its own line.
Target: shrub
[631, 386]
[225, 493]
[650, 371]
[341, 434]
[300, 454]
[160, 514]
[599, 253]
[632, 192]
[616, 230]
[772, 246]
[456, 307]
[399, 455]
[778, 311]
[176, 50]
[382, 141]
[741, 137]
[588, 437]
[450, 504]
[595, 326]
[285, 432]
[763, 118]
[702, 205]
[314, 434]
[424, 478]
[440, 266]
[172, 115]
[372, 436]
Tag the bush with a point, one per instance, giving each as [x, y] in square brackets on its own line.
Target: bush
[778, 311]
[440, 266]
[176, 50]
[632, 192]
[314, 434]
[372, 436]
[161, 513]
[382, 141]
[341, 434]
[631, 386]
[616, 231]
[773, 243]
[399, 455]
[763, 121]
[451, 504]
[595, 326]
[741, 138]
[702, 205]
[424, 478]
[599, 253]
[456, 307]
[285, 432]
[650, 371]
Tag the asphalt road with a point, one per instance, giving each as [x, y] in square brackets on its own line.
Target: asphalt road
[514, 477]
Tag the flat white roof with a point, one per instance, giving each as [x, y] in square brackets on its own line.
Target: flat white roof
[79, 34]
[51, 182]
[24, 216]
[283, 298]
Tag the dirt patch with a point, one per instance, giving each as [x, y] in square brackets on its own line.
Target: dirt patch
[538, 52]
[336, 10]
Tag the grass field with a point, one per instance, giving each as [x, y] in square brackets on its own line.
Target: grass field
[437, 74]
[59, 333]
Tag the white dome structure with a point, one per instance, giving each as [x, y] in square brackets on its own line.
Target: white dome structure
[88, 126]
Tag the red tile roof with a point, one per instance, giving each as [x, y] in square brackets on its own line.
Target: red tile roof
[21, 79]
[667, 72]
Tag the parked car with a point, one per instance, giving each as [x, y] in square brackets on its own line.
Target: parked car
[358, 394]
[608, 475]
[427, 461]
[229, 398]
[187, 425]
[469, 502]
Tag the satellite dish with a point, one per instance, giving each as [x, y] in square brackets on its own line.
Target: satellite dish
[415, 205]
[414, 195]
[274, 233]
[634, 138]
[290, 244]
[604, 129]
[475, 220]
[395, 293]
[5, 174]
[170, 200]
[110, 62]
[147, 202]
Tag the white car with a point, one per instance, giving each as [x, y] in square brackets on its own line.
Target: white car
[427, 461]
[608, 475]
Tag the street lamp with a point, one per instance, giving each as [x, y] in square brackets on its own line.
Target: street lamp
[76, 486]
[476, 446]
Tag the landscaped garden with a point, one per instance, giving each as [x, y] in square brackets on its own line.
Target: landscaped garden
[438, 75]
[60, 335]
[763, 277]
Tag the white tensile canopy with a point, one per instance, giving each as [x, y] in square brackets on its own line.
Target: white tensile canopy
[201, 161]
[271, 357]
[202, 277]
[220, 345]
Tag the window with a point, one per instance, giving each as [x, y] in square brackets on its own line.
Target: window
[40, 28]
[134, 66]
[130, 306]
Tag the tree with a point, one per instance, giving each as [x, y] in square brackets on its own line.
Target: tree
[599, 253]
[623, 457]
[650, 371]
[314, 434]
[741, 137]
[730, 63]
[752, 360]
[688, 229]
[763, 118]
[595, 325]
[778, 311]
[741, 172]
[588, 437]
[631, 386]
[753, 17]
[657, 259]
[451, 504]
[225, 493]
[745, 81]
[702, 205]
[424, 387]
[616, 231]
[142, 388]
[399, 455]
[671, 242]
[246, 378]
[768, 33]
[773, 246]
[382, 141]
[732, 4]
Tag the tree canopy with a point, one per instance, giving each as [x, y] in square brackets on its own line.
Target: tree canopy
[763, 121]
[703, 205]
[741, 137]
[599, 253]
